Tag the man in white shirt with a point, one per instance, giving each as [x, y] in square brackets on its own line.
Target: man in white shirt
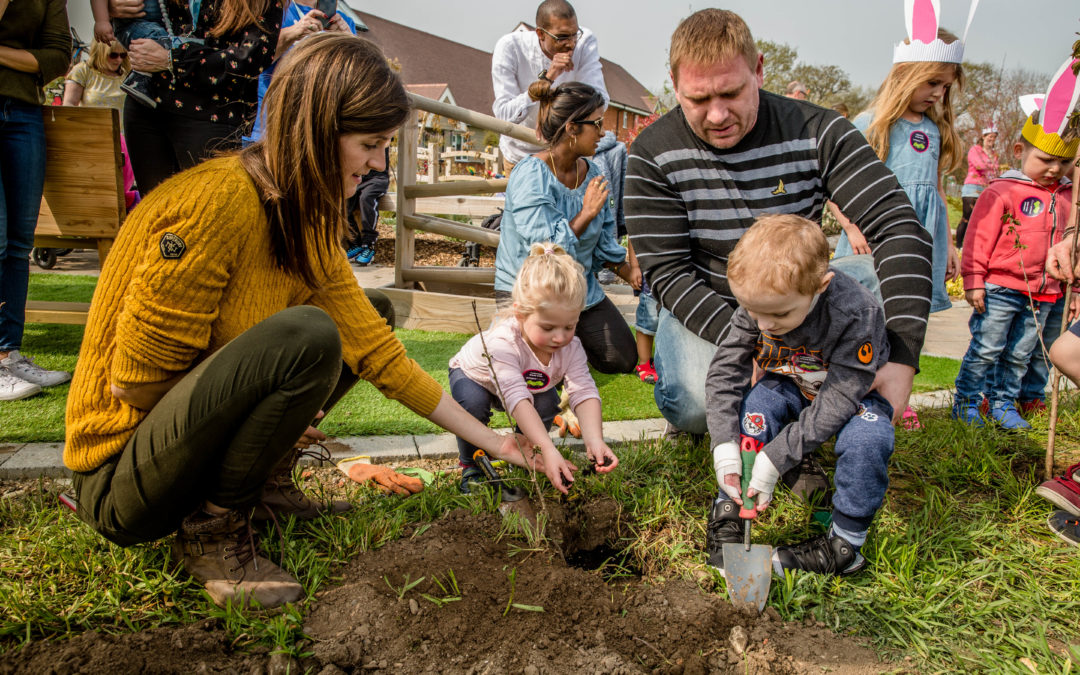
[559, 51]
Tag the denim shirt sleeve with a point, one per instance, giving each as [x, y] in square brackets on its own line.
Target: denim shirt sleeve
[535, 205]
[607, 248]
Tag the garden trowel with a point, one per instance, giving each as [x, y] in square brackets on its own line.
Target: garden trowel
[511, 498]
[748, 568]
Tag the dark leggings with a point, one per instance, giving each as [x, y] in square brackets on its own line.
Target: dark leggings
[961, 227]
[162, 142]
[219, 433]
[608, 341]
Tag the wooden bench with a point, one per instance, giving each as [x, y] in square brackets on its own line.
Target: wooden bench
[83, 203]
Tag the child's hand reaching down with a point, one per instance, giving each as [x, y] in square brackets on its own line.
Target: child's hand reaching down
[559, 470]
[601, 457]
[103, 32]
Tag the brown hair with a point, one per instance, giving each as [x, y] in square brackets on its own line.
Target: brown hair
[568, 102]
[780, 253]
[549, 277]
[328, 85]
[711, 36]
[895, 94]
[234, 15]
[99, 57]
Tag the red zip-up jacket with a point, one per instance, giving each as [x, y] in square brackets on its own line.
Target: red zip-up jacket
[1013, 225]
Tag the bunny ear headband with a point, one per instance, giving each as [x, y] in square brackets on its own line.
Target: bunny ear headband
[1056, 105]
[923, 43]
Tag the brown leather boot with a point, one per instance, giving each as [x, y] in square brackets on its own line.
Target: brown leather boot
[220, 552]
[281, 497]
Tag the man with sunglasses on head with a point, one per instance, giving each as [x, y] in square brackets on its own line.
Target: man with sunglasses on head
[559, 51]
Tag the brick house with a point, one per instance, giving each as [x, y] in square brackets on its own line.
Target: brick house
[439, 68]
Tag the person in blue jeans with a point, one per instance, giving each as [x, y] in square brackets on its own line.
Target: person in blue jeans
[819, 338]
[36, 32]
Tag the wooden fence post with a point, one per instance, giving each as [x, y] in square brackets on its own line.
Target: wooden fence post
[433, 163]
[404, 243]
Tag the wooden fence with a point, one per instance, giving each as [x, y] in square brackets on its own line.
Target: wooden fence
[441, 297]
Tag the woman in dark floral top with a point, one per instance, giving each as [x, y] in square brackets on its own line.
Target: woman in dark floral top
[206, 88]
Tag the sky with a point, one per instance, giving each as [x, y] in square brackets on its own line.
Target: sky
[856, 35]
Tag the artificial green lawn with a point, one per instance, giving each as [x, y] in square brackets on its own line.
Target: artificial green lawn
[363, 412]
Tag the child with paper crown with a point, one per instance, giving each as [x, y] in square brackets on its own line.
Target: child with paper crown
[1015, 222]
[910, 125]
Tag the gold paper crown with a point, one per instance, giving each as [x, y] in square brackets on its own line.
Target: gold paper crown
[1049, 143]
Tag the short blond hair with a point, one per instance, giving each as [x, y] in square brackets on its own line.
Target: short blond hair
[549, 277]
[781, 254]
[711, 36]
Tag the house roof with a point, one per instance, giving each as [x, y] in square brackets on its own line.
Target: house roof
[466, 71]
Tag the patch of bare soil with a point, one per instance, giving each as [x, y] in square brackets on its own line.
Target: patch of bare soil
[431, 249]
[567, 619]
[587, 625]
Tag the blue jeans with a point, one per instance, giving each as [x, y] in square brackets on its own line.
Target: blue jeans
[861, 267]
[647, 315]
[1033, 386]
[1003, 339]
[682, 360]
[22, 178]
[479, 403]
[863, 445]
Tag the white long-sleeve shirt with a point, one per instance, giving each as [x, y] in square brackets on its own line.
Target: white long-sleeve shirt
[515, 63]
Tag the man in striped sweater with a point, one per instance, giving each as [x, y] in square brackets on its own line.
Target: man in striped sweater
[699, 176]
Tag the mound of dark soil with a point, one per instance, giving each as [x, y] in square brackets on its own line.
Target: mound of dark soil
[517, 610]
[586, 626]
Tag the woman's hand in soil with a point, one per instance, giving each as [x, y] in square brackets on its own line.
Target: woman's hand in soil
[976, 297]
[559, 470]
[148, 56]
[386, 479]
[603, 459]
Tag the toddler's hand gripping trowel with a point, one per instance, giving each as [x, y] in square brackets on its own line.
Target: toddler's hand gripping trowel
[748, 568]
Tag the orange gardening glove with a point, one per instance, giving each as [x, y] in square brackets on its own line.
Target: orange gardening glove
[386, 479]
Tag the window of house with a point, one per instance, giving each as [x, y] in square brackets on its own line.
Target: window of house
[625, 119]
[457, 140]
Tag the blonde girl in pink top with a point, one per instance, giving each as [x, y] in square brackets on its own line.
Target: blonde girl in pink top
[532, 351]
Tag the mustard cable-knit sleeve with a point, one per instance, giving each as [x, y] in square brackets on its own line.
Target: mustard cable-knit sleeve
[187, 256]
[368, 344]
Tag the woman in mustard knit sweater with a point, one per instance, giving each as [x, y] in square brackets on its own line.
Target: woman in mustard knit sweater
[227, 318]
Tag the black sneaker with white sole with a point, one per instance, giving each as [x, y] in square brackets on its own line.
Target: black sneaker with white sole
[725, 527]
[140, 86]
[823, 554]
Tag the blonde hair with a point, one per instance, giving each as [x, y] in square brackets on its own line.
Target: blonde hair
[780, 253]
[549, 277]
[99, 57]
[895, 94]
[711, 36]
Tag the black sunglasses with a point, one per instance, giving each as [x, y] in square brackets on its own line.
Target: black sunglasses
[598, 123]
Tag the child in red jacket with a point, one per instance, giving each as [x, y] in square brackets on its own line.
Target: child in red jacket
[1014, 223]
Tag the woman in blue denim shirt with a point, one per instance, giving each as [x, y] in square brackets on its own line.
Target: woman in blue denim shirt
[559, 195]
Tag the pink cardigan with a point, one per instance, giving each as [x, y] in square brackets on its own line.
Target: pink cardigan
[982, 167]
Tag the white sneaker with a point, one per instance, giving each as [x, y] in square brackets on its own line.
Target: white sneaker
[14, 388]
[23, 367]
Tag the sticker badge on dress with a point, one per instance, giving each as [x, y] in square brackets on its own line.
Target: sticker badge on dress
[753, 423]
[919, 141]
[1032, 206]
[172, 246]
[535, 379]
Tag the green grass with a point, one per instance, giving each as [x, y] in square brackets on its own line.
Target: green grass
[362, 412]
[935, 373]
[963, 574]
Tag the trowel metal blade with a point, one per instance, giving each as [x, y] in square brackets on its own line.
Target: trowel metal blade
[748, 574]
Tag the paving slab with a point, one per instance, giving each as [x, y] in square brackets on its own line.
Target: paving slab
[35, 459]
